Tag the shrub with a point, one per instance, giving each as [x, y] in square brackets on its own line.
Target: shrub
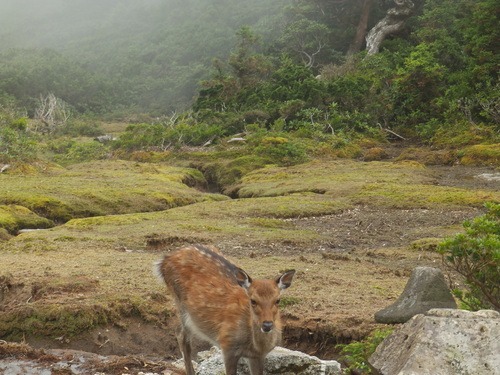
[16, 143]
[77, 128]
[356, 353]
[281, 151]
[80, 152]
[475, 255]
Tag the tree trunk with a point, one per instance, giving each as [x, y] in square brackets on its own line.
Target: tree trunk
[359, 39]
[390, 24]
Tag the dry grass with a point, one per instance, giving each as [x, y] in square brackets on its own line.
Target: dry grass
[330, 220]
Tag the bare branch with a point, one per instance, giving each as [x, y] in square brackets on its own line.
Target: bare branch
[52, 112]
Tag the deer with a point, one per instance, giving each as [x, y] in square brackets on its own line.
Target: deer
[220, 303]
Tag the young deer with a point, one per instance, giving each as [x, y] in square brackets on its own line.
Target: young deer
[220, 303]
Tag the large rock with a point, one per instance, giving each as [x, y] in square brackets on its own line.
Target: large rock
[426, 289]
[280, 361]
[442, 342]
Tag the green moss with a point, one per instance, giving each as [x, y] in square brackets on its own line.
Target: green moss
[421, 196]
[104, 188]
[286, 301]
[71, 318]
[463, 135]
[426, 244]
[337, 179]
[224, 174]
[14, 217]
[296, 205]
[4, 235]
[405, 184]
[52, 320]
[480, 155]
[269, 223]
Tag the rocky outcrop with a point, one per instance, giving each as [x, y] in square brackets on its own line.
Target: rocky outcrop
[442, 342]
[280, 361]
[426, 289]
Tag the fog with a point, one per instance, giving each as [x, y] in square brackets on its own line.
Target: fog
[58, 23]
[61, 23]
[155, 51]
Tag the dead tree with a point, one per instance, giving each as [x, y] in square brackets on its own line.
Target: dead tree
[390, 24]
[52, 113]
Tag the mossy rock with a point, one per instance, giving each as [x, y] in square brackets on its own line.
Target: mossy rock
[14, 217]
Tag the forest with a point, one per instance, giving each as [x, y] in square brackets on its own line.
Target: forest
[188, 73]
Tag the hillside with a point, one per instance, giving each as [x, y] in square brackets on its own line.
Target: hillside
[148, 56]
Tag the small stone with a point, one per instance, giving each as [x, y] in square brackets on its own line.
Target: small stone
[279, 361]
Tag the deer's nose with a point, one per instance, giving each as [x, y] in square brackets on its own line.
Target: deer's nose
[267, 327]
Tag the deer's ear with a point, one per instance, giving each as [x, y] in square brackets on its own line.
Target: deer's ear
[285, 280]
[242, 278]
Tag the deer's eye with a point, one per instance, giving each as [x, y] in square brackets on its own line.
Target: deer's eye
[253, 302]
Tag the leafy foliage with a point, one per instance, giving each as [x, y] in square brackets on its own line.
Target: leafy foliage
[436, 81]
[356, 353]
[475, 254]
[16, 143]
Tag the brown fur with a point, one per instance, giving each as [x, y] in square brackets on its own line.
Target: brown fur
[220, 303]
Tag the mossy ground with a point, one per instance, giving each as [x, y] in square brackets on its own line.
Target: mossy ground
[14, 217]
[103, 188]
[346, 226]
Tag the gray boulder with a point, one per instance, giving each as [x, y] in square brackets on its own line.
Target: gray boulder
[279, 361]
[442, 342]
[426, 289]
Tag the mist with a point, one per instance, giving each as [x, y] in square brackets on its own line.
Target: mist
[151, 54]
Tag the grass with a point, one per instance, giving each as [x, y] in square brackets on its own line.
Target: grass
[97, 270]
[14, 217]
[378, 184]
[481, 155]
[74, 289]
[103, 188]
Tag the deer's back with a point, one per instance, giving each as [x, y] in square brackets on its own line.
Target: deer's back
[207, 293]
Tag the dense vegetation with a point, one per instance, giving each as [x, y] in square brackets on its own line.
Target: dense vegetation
[475, 254]
[290, 77]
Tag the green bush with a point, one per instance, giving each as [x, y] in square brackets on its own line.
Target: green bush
[85, 128]
[16, 143]
[475, 254]
[356, 354]
[141, 137]
[281, 151]
[160, 137]
[80, 152]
